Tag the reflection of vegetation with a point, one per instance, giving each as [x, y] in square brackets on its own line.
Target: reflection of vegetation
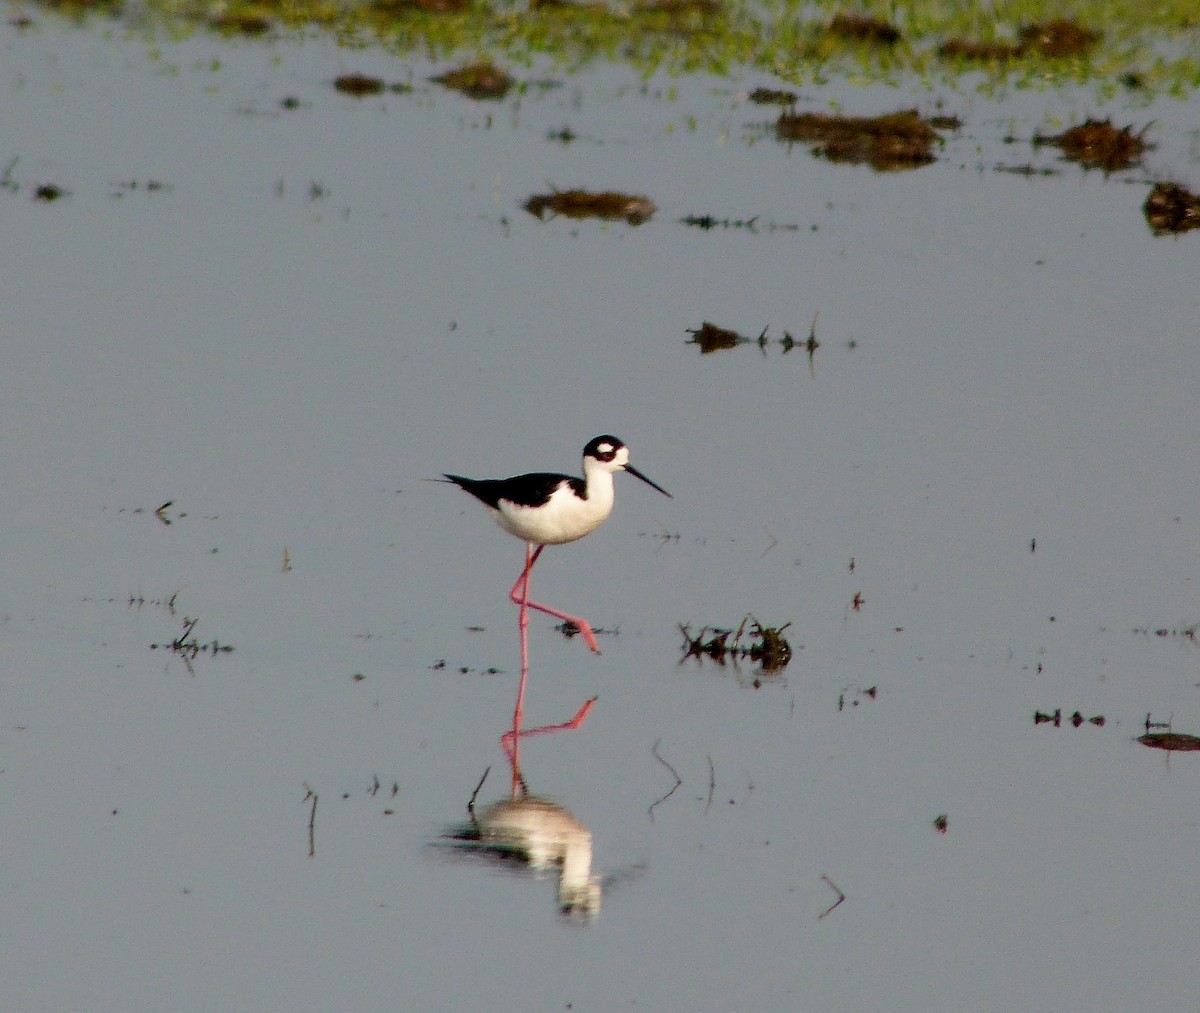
[1115, 44]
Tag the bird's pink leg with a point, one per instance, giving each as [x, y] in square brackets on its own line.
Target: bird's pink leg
[520, 596]
[511, 740]
[523, 627]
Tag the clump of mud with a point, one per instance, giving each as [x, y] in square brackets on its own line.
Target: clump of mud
[481, 80]
[1172, 209]
[900, 140]
[607, 204]
[1097, 144]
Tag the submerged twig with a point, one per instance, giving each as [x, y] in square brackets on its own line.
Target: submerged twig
[475, 793]
[674, 773]
[840, 896]
[311, 796]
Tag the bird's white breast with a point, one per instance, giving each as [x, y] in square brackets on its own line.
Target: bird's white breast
[563, 518]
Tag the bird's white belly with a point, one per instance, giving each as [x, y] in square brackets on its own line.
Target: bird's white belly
[563, 518]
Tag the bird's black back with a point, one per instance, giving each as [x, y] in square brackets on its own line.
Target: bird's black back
[525, 490]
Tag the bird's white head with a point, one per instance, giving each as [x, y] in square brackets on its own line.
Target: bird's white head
[608, 454]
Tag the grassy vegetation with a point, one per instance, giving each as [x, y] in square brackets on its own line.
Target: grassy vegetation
[1149, 49]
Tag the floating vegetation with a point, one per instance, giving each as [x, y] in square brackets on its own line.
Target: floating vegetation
[1170, 209]
[900, 140]
[1056, 718]
[1175, 742]
[861, 28]
[772, 97]
[48, 192]
[711, 338]
[1097, 144]
[608, 204]
[482, 80]
[359, 85]
[767, 644]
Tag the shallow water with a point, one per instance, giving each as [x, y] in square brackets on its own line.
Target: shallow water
[321, 307]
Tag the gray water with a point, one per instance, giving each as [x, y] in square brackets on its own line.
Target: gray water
[283, 321]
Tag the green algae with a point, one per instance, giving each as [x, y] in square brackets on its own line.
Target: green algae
[1115, 47]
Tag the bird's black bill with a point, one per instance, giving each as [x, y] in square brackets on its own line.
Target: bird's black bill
[654, 485]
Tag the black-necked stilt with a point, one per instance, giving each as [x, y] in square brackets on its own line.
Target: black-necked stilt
[551, 509]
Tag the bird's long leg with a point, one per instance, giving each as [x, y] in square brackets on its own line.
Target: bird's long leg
[511, 740]
[523, 627]
[520, 596]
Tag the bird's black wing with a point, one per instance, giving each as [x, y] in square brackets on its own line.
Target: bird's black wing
[524, 490]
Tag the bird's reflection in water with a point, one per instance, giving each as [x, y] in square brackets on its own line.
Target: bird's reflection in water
[528, 831]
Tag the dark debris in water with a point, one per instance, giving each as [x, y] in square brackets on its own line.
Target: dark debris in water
[1027, 169]
[482, 80]
[569, 630]
[751, 225]
[188, 647]
[607, 204]
[711, 338]
[138, 601]
[441, 665]
[1171, 209]
[856, 697]
[773, 97]
[1175, 742]
[900, 140]
[1164, 632]
[359, 85]
[48, 192]
[1057, 719]
[1097, 144]
[766, 644]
